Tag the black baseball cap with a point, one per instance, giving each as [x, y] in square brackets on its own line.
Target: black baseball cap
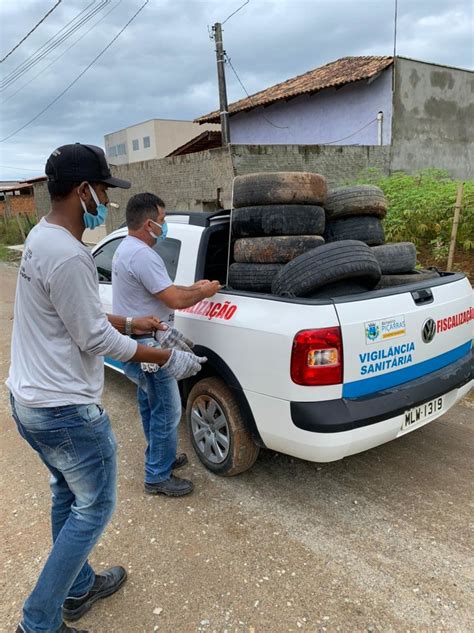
[77, 162]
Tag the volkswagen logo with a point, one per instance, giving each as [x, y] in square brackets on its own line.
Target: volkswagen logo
[428, 331]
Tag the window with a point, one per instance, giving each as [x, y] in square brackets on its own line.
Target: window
[103, 259]
[168, 250]
[112, 151]
[146, 141]
[135, 145]
[121, 149]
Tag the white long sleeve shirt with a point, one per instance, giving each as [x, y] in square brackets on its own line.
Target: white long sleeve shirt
[60, 331]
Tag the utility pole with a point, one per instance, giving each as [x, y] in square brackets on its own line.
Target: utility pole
[223, 107]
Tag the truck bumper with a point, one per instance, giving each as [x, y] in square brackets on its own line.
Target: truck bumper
[330, 430]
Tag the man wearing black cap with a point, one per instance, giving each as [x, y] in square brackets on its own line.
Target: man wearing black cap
[60, 333]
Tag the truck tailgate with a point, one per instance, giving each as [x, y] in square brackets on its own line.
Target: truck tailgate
[392, 339]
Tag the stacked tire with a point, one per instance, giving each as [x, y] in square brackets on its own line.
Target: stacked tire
[357, 213]
[277, 217]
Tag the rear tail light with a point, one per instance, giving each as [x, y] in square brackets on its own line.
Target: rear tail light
[316, 357]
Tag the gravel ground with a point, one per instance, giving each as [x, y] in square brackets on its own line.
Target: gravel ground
[377, 542]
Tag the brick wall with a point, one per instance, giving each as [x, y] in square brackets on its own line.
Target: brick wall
[13, 205]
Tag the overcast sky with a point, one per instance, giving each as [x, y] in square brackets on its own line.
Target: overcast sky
[163, 65]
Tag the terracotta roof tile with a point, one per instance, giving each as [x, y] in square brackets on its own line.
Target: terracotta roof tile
[343, 71]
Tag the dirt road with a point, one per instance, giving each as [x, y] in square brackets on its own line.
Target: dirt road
[377, 542]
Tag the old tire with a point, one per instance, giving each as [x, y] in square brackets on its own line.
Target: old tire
[281, 187]
[396, 258]
[338, 289]
[327, 264]
[357, 200]
[278, 219]
[364, 228]
[279, 250]
[253, 277]
[217, 428]
[389, 281]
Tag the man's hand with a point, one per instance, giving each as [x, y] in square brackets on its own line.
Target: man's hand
[147, 325]
[209, 288]
[173, 339]
[183, 364]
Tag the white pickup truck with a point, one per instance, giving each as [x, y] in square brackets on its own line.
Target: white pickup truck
[318, 379]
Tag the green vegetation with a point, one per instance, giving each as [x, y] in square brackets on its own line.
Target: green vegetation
[10, 235]
[421, 209]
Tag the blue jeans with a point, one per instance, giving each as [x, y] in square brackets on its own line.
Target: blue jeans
[159, 403]
[77, 445]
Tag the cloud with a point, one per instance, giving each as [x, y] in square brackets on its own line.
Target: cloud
[163, 65]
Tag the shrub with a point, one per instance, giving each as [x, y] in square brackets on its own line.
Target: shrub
[421, 208]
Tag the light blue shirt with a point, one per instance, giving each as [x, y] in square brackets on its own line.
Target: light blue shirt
[138, 273]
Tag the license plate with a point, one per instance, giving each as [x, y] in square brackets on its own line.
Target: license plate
[417, 415]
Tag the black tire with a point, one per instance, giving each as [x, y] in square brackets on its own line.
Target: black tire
[338, 289]
[281, 249]
[236, 440]
[357, 200]
[253, 277]
[327, 264]
[389, 281]
[280, 187]
[364, 228]
[278, 219]
[396, 258]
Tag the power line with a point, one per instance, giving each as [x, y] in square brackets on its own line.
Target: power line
[63, 53]
[241, 7]
[78, 76]
[60, 36]
[18, 168]
[350, 135]
[47, 48]
[30, 32]
[280, 127]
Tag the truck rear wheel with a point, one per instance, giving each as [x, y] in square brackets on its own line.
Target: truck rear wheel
[217, 429]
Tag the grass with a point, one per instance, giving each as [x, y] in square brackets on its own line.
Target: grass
[10, 233]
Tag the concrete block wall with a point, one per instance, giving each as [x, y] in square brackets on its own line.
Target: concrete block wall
[203, 181]
[186, 183]
[338, 163]
[42, 199]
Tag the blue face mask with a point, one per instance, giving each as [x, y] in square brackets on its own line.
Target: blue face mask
[164, 231]
[92, 221]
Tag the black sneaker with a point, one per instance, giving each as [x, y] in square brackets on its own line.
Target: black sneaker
[105, 584]
[63, 629]
[180, 461]
[173, 487]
